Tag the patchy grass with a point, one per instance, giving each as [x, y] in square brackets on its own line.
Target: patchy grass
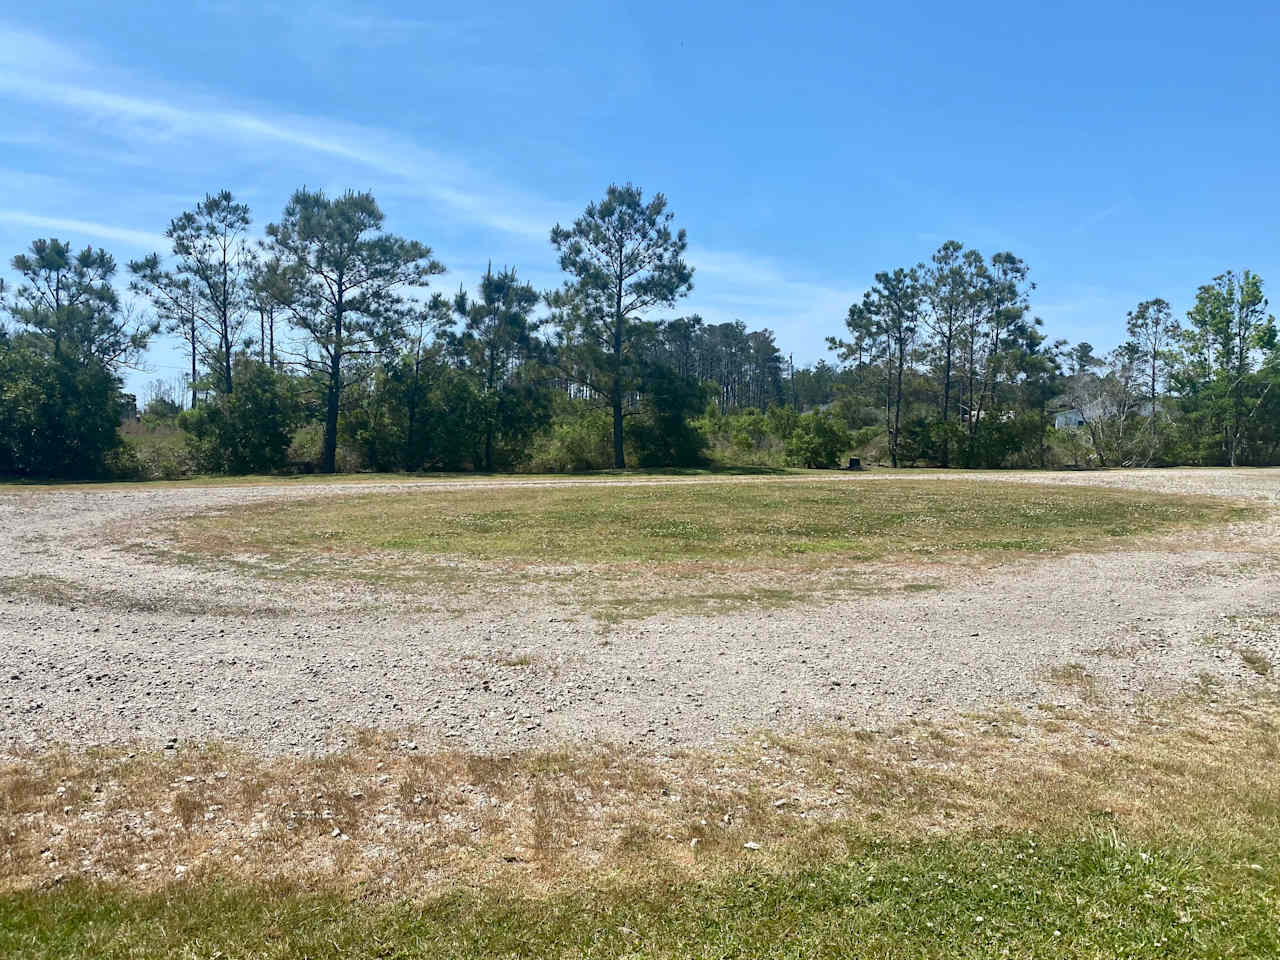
[693, 546]
[1077, 677]
[26, 485]
[987, 836]
[1094, 895]
[1255, 660]
[617, 608]
[73, 595]
[716, 523]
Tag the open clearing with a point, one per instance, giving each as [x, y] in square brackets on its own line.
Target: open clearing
[287, 616]
[918, 714]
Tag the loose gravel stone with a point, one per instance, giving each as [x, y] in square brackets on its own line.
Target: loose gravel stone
[134, 658]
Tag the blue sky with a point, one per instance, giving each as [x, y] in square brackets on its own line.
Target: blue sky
[1125, 151]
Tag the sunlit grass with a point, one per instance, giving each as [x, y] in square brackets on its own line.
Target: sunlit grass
[623, 551]
[1071, 835]
[749, 521]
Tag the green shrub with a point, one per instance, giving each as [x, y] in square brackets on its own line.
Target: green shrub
[663, 433]
[158, 450]
[580, 440]
[248, 430]
[818, 440]
[306, 446]
[59, 414]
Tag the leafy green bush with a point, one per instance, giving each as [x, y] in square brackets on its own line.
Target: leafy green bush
[662, 432]
[817, 441]
[305, 446]
[157, 450]
[748, 437]
[578, 440]
[248, 430]
[59, 414]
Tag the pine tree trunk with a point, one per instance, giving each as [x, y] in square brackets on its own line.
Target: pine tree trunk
[619, 454]
[194, 371]
[330, 457]
[946, 406]
[897, 405]
[226, 360]
[329, 460]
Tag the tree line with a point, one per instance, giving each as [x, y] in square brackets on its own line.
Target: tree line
[964, 374]
[322, 346]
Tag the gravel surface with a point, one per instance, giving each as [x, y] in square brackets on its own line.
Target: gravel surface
[134, 649]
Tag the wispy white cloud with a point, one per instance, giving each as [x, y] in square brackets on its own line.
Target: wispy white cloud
[78, 231]
[159, 121]
[763, 292]
[22, 49]
[1090, 220]
[729, 285]
[345, 20]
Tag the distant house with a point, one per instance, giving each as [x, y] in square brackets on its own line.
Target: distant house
[1099, 409]
[980, 415]
[1068, 419]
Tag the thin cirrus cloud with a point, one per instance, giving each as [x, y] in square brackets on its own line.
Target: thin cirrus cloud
[762, 291]
[86, 228]
[159, 122]
[729, 285]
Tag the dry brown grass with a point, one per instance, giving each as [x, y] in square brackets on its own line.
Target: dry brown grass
[383, 817]
[1076, 677]
[61, 592]
[1255, 660]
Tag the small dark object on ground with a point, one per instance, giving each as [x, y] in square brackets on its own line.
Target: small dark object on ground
[855, 463]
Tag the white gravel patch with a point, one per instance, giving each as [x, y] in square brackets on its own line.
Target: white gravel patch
[168, 651]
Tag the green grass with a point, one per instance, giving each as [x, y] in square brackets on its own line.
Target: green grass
[748, 521]
[1110, 838]
[1028, 896]
[685, 546]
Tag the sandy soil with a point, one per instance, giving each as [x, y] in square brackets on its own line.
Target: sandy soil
[133, 649]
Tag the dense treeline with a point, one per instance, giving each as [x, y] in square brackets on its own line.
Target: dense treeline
[323, 347]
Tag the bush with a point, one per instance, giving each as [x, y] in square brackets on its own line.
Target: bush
[161, 410]
[123, 463]
[748, 437]
[782, 421]
[580, 438]
[59, 415]
[306, 447]
[245, 431]
[818, 441]
[662, 433]
[1006, 440]
[157, 450]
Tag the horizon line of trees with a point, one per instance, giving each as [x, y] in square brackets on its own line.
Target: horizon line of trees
[962, 369]
[323, 347]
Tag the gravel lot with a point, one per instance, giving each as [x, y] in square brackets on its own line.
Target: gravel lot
[138, 650]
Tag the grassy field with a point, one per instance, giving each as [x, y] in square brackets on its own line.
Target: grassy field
[625, 551]
[747, 522]
[1086, 897]
[1044, 836]
[1058, 832]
